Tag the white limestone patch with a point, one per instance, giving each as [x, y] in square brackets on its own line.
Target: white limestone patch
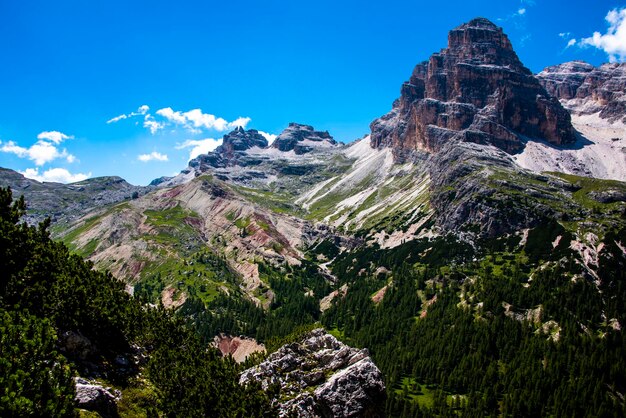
[600, 153]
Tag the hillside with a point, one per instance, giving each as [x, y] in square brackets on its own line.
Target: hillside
[474, 241]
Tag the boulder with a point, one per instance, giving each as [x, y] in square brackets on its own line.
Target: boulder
[319, 376]
[93, 397]
[76, 345]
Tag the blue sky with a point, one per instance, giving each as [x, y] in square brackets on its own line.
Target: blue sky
[180, 75]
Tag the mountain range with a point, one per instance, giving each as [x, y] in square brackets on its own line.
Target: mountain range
[486, 194]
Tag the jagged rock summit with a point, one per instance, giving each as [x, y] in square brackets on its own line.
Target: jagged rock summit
[231, 151]
[321, 377]
[476, 90]
[247, 148]
[302, 139]
[585, 89]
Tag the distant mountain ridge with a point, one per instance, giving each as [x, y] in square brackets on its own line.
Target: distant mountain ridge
[485, 210]
[585, 89]
[65, 203]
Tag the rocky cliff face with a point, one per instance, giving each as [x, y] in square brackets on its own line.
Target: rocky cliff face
[232, 149]
[302, 139]
[476, 90]
[585, 89]
[321, 377]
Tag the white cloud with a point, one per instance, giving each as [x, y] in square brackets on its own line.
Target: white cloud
[58, 175]
[564, 35]
[270, 137]
[613, 42]
[13, 148]
[200, 146]
[153, 156]
[240, 121]
[152, 124]
[54, 136]
[521, 11]
[571, 43]
[141, 111]
[117, 119]
[171, 115]
[195, 119]
[41, 152]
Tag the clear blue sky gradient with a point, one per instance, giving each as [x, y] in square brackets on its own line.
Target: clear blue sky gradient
[70, 66]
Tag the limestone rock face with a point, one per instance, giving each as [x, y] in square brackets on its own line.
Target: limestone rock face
[476, 90]
[563, 81]
[302, 139]
[232, 149]
[321, 377]
[585, 89]
[93, 397]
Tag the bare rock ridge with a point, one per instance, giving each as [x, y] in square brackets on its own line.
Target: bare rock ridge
[296, 137]
[65, 203]
[585, 89]
[232, 149]
[476, 90]
[302, 139]
[321, 377]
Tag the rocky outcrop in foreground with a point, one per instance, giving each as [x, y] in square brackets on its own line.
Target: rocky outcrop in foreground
[476, 90]
[321, 377]
[94, 397]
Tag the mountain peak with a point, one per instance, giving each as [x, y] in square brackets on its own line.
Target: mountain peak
[302, 139]
[476, 90]
[241, 140]
[481, 23]
[234, 144]
[586, 89]
[481, 40]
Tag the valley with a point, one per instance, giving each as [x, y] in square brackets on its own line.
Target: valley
[473, 244]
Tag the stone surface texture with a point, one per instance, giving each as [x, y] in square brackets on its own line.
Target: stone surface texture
[321, 377]
[476, 90]
[585, 89]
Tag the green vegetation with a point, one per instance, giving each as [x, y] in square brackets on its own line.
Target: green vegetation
[296, 292]
[552, 352]
[34, 379]
[202, 275]
[45, 291]
[276, 201]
